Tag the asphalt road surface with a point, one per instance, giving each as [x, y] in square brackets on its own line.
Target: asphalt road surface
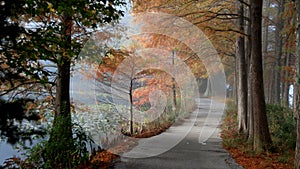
[188, 153]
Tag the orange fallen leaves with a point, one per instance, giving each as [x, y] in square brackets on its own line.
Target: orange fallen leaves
[262, 161]
[105, 159]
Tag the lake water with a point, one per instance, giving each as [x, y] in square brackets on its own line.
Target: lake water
[6, 151]
[82, 91]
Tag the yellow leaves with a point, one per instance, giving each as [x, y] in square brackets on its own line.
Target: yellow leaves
[50, 7]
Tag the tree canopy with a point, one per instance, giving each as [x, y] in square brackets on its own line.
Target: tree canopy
[42, 34]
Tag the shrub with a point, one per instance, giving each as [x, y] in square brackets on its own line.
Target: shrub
[52, 154]
[282, 127]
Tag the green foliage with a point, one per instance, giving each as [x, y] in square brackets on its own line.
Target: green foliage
[53, 154]
[50, 32]
[282, 127]
[65, 152]
[231, 108]
[281, 124]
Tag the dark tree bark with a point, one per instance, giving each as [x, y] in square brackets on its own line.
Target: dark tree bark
[297, 150]
[262, 139]
[131, 106]
[242, 75]
[286, 83]
[173, 82]
[63, 78]
[266, 29]
[61, 145]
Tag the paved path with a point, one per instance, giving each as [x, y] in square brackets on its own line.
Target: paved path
[188, 153]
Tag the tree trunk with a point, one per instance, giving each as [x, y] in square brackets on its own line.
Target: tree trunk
[173, 82]
[207, 92]
[60, 145]
[295, 96]
[265, 44]
[271, 87]
[249, 81]
[242, 75]
[297, 150]
[236, 75]
[278, 51]
[234, 85]
[262, 139]
[266, 30]
[131, 107]
[286, 83]
[62, 109]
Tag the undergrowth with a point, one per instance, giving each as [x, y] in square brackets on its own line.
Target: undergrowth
[282, 130]
[229, 133]
[42, 155]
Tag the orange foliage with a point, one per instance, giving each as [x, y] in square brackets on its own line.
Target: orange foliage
[157, 80]
[214, 17]
[109, 63]
[151, 79]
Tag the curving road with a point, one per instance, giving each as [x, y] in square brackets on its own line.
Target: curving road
[187, 153]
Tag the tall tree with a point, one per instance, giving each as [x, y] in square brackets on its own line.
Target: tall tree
[297, 154]
[266, 28]
[248, 46]
[262, 139]
[278, 51]
[54, 31]
[242, 73]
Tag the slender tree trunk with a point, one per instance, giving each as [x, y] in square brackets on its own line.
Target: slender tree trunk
[295, 97]
[266, 29]
[207, 92]
[297, 150]
[262, 139]
[278, 51]
[250, 115]
[270, 87]
[173, 82]
[242, 75]
[286, 83]
[236, 76]
[265, 44]
[249, 82]
[234, 85]
[131, 107]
